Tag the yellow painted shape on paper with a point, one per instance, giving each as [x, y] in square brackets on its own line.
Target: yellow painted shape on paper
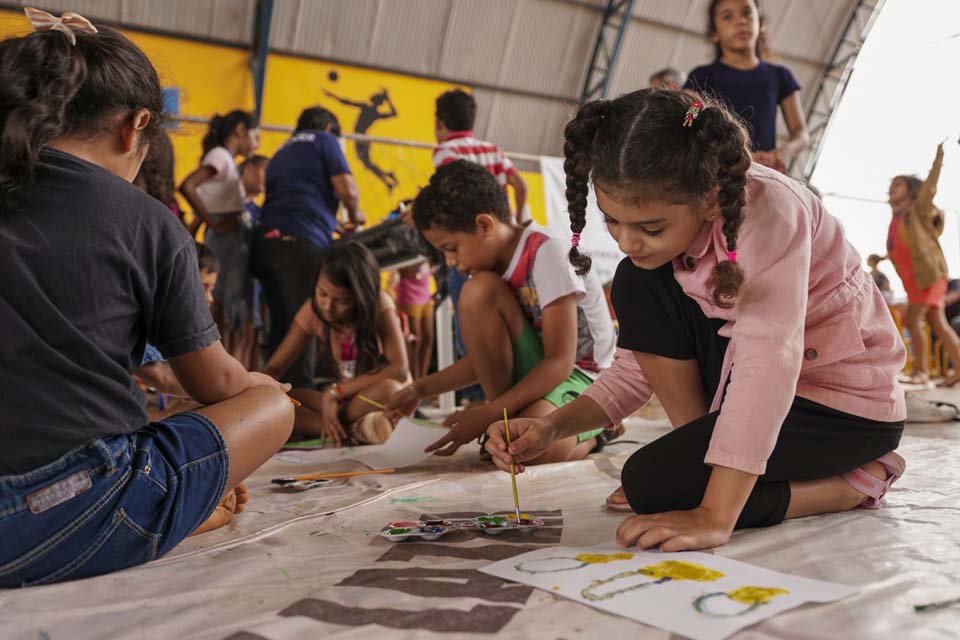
[755, 595]
[602, 558]
[679, 570]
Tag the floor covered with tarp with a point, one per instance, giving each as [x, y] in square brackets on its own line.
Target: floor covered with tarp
[312, 565]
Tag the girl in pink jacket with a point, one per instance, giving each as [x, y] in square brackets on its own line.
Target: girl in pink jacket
[745, 310]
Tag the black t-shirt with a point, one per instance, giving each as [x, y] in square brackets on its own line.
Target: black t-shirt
[92, 269]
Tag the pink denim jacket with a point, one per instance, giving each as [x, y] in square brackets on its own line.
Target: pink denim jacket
[808, 322]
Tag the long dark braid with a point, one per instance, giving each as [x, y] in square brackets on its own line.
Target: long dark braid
[579, 136]
[727, 139]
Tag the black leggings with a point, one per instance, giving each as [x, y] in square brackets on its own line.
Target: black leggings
[286, 269]
[815, 441]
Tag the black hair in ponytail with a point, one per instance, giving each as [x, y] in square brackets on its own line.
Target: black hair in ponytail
[221, 127]
[50, 88]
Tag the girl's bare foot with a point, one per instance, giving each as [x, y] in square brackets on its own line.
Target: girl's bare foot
[617, 501]
[373, 428]
[949, 382]
[233, 502]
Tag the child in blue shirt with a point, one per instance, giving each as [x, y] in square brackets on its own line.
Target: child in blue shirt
[754, 89]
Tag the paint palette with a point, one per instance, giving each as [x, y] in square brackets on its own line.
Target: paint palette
[400, 531]
[304, 485]
[433, 529]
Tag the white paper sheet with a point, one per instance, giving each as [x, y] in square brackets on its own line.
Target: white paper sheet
[403, 449]
[702, 596]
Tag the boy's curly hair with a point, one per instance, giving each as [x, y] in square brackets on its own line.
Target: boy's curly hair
[458, 192]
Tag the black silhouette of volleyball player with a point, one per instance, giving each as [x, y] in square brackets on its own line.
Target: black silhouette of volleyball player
[370, 113]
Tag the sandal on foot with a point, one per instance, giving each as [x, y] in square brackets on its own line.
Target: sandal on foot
[872, 486]
[617, 501]
[607, 436]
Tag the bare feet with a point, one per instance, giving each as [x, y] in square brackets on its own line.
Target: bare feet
[949, 382]
[617, 501]
[233, 502]
[373, 428]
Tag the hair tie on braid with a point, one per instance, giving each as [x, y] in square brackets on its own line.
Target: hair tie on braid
[575, 240]
[732, 256]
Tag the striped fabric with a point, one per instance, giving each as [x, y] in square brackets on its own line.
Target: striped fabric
[461, 145]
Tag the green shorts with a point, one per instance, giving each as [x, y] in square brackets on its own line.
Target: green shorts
[527, 354]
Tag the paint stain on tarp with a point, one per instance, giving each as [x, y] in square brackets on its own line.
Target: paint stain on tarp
[411, 500]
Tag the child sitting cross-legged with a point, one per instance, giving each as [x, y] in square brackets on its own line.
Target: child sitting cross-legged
[154, 370]
[535, 333]
[362, 351]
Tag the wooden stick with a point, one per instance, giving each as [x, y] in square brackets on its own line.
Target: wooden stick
[371, 402]
[513, 475]
[295, 402]
[321, 476]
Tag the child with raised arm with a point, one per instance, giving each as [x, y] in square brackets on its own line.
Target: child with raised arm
[913, 245]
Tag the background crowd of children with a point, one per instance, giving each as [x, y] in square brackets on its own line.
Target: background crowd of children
[283, 296]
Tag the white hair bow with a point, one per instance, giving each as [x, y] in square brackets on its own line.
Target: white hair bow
[66, 24]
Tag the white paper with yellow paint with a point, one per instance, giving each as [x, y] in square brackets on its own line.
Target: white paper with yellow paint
[698, 595]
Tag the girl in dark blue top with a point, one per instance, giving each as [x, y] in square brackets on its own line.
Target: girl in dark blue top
[753, 88]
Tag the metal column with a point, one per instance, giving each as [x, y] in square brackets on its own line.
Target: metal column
[833, 82]
[614, 21]
[258, 55]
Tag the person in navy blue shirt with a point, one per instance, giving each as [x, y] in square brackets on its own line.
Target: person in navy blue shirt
[751, 87]
[307, 180]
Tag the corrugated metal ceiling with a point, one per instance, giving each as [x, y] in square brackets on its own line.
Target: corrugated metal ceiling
[526, 59]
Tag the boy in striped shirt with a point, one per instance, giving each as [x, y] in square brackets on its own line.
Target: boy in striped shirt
[456, 114]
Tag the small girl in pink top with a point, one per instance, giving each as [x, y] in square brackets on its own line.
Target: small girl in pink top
[415, 300]
[744, 308]
[361, 350]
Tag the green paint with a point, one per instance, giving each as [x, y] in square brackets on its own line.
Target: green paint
[306, 444]
[400, 531]
[498, 520]
[410, 500]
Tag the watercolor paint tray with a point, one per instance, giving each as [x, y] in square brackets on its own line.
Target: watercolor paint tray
[433, 529]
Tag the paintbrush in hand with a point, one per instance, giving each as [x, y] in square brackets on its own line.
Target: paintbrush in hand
[513, 474]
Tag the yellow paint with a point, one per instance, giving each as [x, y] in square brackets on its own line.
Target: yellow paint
[679, 570]
[216, 79]
[556, 588]
[755, 595]
[523, 516]
[602, 558]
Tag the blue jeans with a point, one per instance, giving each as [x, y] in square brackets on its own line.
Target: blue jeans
[112, 503]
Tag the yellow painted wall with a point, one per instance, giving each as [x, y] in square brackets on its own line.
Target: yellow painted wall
[216, 79]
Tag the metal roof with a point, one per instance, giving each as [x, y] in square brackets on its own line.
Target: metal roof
[525, 59]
